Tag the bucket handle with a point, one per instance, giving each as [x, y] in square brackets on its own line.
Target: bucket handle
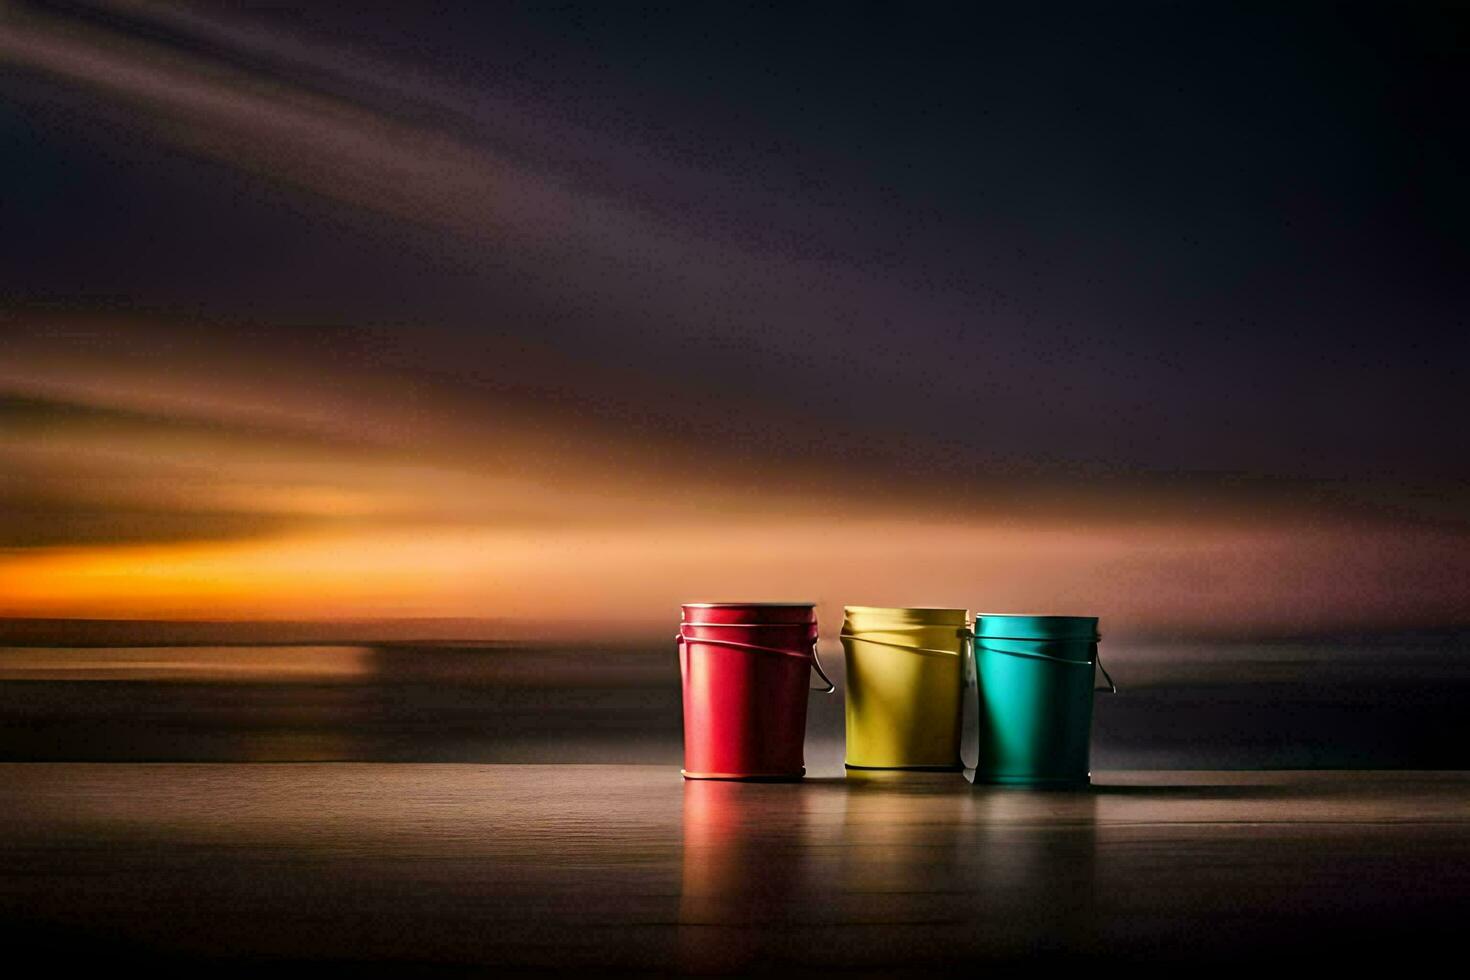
[898, 646]
[1109, 688]
[815, 661]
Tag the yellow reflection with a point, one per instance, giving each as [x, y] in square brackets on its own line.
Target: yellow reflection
[304, 664]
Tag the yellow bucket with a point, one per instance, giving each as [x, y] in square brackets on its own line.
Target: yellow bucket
[903, 686]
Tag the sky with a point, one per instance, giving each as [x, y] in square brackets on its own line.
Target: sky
[571, 313]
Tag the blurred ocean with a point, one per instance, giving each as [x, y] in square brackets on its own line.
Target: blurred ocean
[1369, 701]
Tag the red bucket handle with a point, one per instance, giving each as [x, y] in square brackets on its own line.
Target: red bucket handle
[815, 662]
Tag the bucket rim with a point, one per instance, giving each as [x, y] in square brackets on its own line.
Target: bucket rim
[742, 605]
[902, 609]
[1022, 626]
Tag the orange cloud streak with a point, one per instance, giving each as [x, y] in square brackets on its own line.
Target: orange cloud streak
[138, 495]
[1139, 578]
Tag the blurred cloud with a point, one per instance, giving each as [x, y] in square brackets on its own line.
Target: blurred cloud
[119, 512]
[565, 237]
[113, 509]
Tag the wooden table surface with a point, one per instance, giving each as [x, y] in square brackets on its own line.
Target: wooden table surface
[628, 868]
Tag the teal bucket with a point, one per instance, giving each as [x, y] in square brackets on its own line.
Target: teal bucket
[1028, 686]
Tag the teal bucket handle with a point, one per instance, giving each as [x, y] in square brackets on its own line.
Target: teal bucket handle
[816, 663]
[1110, 688]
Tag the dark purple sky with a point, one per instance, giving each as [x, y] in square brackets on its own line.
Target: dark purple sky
[1146, 237]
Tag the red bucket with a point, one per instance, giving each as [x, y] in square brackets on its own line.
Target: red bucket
[746, 667]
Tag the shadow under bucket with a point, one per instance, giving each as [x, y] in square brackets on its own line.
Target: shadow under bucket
[746, 667]
[1028, 688]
